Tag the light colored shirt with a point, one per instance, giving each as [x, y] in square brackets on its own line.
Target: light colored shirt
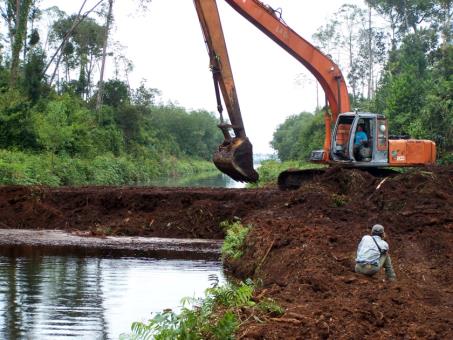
[360, 137]
[368, 252]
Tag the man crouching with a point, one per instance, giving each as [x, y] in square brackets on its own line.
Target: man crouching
[372, 254]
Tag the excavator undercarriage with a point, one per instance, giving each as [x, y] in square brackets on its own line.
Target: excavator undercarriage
[293, 179]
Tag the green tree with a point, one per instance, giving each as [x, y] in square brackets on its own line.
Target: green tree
[116, 93]
[81, 49]
[32, 83]
[436, 119]
[405, 82]
[16, 125]
[52, 127]
[407, 14]
[15, 13]
[293, 139]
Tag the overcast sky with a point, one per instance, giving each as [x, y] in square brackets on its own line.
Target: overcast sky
[167, 48]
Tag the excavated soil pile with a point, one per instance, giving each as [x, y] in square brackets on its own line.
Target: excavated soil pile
[132, 211]
[301, 247]
[304, 247]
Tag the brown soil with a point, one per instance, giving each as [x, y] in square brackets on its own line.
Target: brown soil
[301, 247]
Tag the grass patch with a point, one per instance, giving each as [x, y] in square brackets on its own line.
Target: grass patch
[339, 200]
[270, 169]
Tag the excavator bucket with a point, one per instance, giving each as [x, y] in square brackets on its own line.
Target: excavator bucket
[235, 158]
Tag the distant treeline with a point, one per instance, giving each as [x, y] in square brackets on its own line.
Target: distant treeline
[60, 140]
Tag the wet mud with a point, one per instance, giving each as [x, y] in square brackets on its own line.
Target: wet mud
[301, 247]
[14, 242]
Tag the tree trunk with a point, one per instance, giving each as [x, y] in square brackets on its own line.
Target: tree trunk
[104, 57]
[62, 46]
[351, 65]
[22, 9]
[370, 54]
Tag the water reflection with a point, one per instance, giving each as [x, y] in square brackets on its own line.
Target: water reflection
[215, 181]
[53, 297]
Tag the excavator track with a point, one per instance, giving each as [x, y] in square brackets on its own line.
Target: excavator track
[293, 179]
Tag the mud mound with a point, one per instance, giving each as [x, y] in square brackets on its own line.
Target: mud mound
[301, 247]
[417, 199]
[304, 251]
[347, 181]
[159, 212]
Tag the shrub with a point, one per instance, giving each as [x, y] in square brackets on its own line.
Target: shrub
[22, 168]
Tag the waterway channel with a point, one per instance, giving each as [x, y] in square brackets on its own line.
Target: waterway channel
[212, 181]
[58, 286]
[59, 297]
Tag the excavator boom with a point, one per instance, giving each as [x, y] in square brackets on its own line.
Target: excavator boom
[322, 67]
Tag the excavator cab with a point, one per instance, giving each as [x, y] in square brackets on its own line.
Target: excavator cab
[360, 138]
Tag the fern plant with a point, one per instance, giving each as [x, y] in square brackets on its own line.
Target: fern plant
[199, 318]
[213, 317]
[233, 245]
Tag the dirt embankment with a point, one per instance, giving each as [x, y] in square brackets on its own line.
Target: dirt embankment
[131, 211]
[301, 247]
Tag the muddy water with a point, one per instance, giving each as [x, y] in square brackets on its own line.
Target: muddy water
[60, 297]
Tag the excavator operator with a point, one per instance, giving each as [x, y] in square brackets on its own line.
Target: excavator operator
[361, 147]
[360, 136]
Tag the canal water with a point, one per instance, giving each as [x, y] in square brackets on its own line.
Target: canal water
[55, 297]
[61, 297]
[215, 181]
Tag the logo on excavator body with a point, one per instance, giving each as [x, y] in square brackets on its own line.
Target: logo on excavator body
[399, 158]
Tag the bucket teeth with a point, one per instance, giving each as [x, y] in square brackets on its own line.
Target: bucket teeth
[235, 158]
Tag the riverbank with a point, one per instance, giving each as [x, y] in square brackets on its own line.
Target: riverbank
[20, 168]
[301, 246]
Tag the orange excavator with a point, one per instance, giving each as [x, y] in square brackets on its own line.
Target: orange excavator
[357, 139]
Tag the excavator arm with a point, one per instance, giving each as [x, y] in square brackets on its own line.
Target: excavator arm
[321, 66]
[235, 155]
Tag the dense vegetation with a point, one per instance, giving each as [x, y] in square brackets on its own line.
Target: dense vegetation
[61, 124]
[398, 60]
